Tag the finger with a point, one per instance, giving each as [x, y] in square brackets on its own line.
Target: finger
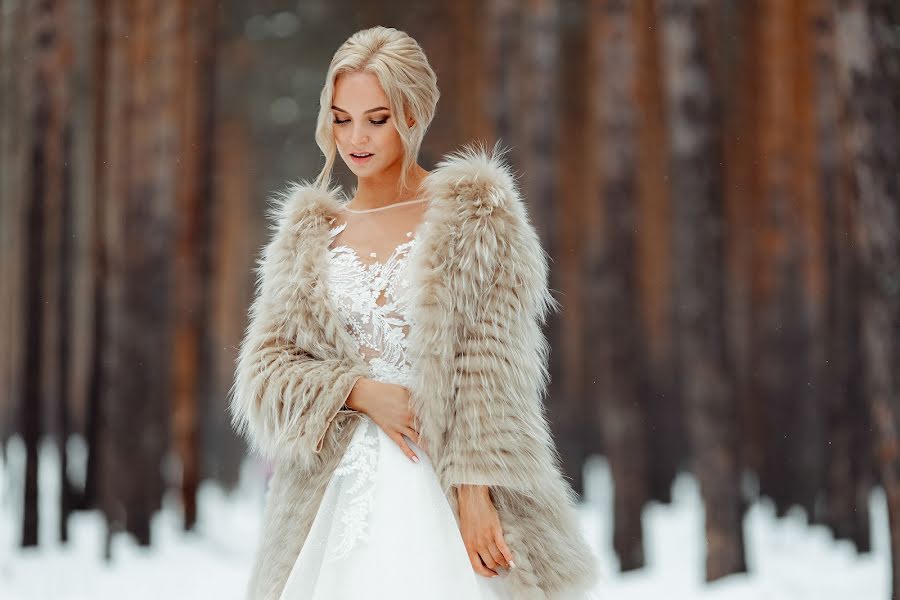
[487, 558]
[504, 549]
[478, 566]
[497, 555]
[412, 434]
[405, 447]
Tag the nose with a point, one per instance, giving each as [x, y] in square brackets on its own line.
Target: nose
[357, 136]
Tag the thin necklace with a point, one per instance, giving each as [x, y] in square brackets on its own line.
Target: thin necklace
[368, 210]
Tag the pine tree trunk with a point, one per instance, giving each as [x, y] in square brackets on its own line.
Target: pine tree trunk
[704, 363]
[845, 504]
[46, 364]
[95, 386]
[574, 431]
[139, 225]
[782, 334]
[192, 108]
[665, 414]
[616, 333]
[869, 77]
[540, 77]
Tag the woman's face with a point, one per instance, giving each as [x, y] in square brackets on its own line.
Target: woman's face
[362, 124]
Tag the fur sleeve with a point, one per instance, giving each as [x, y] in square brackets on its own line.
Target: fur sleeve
[288, 386]
[283, 399]
[499, 434]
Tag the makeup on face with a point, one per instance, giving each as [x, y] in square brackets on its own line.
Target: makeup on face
[360, 160]
[361, 157]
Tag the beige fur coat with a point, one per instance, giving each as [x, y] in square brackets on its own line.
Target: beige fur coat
[479, 371]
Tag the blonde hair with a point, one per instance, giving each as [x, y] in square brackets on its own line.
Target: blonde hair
[407, 79]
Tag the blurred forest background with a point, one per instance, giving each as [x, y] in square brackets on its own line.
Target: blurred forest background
[716, 181]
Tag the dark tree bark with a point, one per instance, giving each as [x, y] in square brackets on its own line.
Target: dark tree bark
[66, 261]
[869, 77]
[470, 73]
[573, 430]
[48, 118]
[808, 466]
[540, 168]
[237, 227]
[139, 222]
[95, 384]
[782, 337]
[504, 50]
[191, 300]
[704, 363]
[30, 406]
[665, 418]
[618, 361]
[739, 78]
[846, 488]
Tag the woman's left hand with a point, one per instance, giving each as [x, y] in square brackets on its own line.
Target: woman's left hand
[481, 531]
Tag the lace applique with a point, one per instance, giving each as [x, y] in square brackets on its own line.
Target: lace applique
[357, 494]
[373, 299]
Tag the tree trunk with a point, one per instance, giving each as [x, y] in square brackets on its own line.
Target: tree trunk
[503, 93]
[613, 270]
[665, 415]
[782, 344]
[139, 214]
[46, 295]
[845, 504]
[573, 433]
[540, 62]
[869, 77]
[191, 299]
[95, 385]
[704, 363]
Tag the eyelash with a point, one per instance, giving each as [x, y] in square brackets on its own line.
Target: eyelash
[381, 122]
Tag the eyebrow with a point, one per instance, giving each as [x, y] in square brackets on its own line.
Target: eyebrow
[365, 113]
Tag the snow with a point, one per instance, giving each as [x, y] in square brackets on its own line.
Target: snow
[787, 559]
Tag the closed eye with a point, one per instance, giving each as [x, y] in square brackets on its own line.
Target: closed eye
[381, 122]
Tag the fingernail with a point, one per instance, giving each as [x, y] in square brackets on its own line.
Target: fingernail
[512, 563]
[415, 459]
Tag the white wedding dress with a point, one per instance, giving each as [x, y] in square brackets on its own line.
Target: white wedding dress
[384, 529]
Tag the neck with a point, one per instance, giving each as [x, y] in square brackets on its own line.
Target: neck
[384, 189]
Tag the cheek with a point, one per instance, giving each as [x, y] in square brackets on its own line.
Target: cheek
[389, 139]
[340, 137]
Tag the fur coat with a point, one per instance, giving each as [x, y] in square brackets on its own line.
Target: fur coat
[479, 371]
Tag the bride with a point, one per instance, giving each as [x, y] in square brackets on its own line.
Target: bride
[412, 456]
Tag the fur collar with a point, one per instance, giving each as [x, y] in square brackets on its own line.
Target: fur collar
[475, 181]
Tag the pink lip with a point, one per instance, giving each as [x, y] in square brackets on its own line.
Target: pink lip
[360, 160]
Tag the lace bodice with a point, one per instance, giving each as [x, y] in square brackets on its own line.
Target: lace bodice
[372, 297]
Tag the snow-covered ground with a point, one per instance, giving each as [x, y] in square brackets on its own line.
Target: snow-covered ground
[788, 560]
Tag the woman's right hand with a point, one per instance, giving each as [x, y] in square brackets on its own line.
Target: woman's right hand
[388, 405]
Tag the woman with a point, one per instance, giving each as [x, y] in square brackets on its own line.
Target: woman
[394, 366]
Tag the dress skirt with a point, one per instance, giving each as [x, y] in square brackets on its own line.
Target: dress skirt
[385, 530]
